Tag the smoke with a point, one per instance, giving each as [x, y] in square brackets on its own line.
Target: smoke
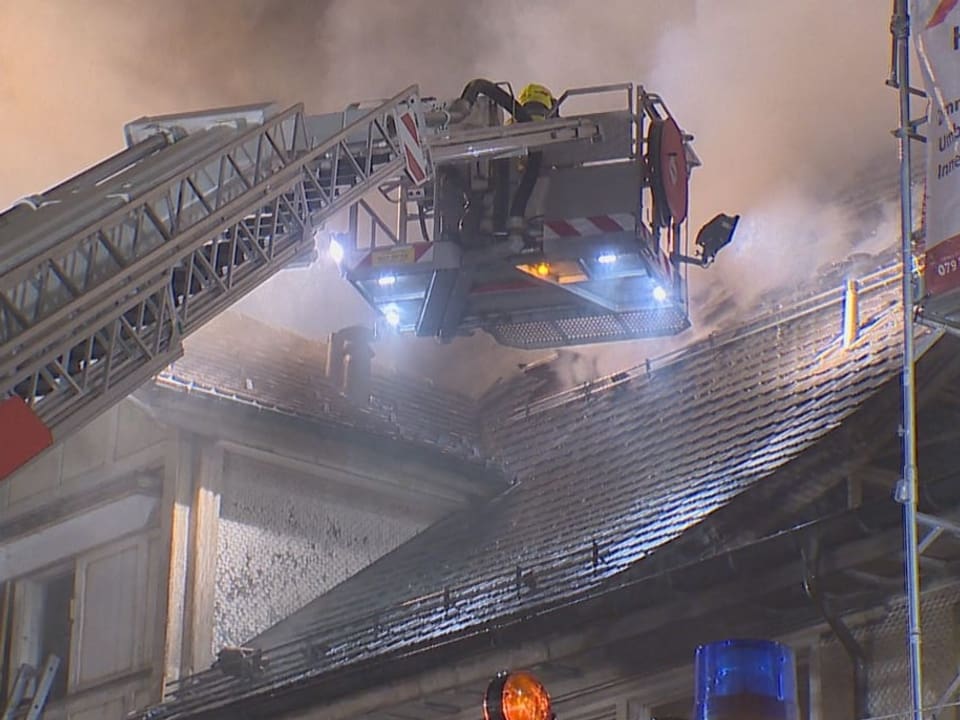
[791, 117]
[789, 107]
[786, 101]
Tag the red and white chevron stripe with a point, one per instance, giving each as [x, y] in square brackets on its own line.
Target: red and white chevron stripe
[415, 158]
[588, 226]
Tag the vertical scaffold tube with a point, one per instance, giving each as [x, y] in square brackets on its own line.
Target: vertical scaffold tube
[900, 26]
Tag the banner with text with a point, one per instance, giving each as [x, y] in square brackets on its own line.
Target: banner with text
[936, 36]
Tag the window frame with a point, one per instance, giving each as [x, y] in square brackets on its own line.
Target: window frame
[23, 648]
[26, 636]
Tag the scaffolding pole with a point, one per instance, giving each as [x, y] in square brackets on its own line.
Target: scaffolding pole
[900, 28]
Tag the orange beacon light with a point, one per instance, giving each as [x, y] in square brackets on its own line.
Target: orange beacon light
[516, 696]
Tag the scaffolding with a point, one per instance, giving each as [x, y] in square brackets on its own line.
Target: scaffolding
[912, 288]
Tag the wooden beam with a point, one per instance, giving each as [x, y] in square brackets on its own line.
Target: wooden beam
[147, 482]
[203, 547]
[872, 475]
[178, 490]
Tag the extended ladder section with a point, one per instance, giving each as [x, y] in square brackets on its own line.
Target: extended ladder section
[102, 276]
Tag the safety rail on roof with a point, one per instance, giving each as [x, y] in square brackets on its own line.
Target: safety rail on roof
[884, 278]
[145, 248]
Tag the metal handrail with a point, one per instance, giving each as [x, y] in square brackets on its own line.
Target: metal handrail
[883, 278]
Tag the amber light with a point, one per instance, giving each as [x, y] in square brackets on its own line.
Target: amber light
[517, 696]
[543, 269]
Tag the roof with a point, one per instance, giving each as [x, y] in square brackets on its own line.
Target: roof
[607, 474]
[241, 358]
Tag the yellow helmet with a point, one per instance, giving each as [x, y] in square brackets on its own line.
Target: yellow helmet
[534, 93]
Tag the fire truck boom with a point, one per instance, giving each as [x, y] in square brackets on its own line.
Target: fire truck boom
[487, 212]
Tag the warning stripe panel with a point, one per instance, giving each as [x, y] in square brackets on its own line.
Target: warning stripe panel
[588, 226]
[417, 173]
[24, 435]
[415, 158]
[411, 125]
[607, 223]
[559, 228]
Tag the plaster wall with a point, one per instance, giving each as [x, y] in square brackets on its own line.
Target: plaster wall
[284, 539]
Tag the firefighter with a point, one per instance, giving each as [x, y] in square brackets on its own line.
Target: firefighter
[537, 100]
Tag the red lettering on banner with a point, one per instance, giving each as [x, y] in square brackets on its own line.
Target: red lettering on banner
[942, 267]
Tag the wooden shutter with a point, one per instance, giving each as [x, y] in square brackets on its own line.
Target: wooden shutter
[109, 612]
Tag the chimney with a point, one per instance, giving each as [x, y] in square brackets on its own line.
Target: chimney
[349, 362]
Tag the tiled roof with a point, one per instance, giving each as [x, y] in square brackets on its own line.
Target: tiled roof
[239, 357]
[607, 474]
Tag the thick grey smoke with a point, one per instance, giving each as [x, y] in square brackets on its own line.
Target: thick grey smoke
[789, 107]
[786, 100]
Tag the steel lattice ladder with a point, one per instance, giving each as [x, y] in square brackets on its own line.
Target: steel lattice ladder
[102, 276]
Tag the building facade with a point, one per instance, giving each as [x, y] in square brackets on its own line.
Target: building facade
[384, 558]
[210, 505]
[742, 487]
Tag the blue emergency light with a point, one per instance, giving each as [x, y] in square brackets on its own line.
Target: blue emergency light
[745, 680]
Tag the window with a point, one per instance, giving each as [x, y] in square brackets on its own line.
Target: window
[90, 613]
[56, 629]
[43, 625]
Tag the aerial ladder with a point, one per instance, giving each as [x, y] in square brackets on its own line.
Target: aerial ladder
[528, 227]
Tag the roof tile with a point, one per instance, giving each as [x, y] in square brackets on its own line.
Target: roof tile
[243, 358]
[607, 474]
